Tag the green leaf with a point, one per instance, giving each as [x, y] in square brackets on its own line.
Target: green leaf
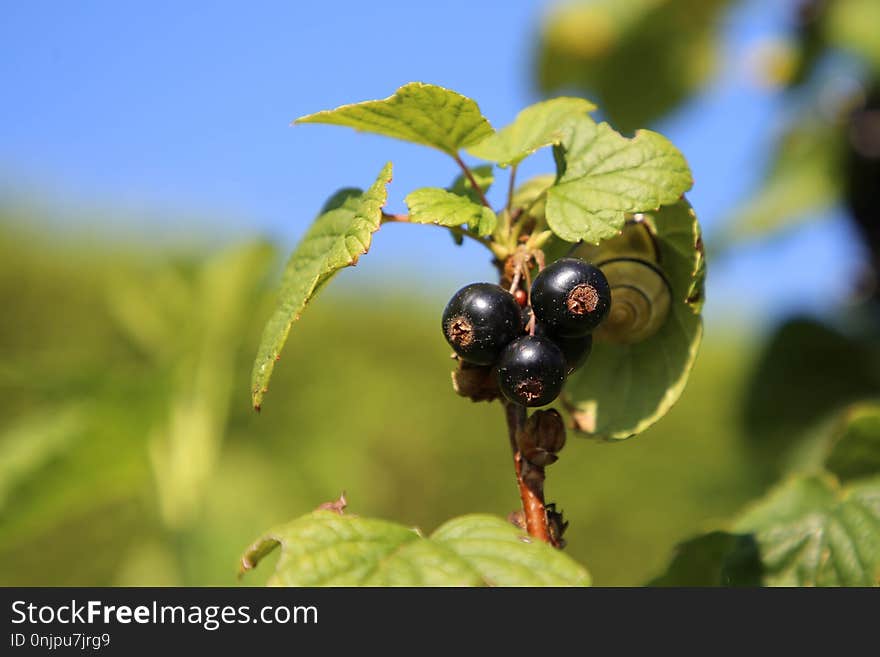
[855, 448]
[328, 549]
[337, 238]
[608, 176]
[809, 532]
[538, 125]
[622, 53]
[462, 185]
[626, 388]
[421, 113]
[805, 532]
[432, 205]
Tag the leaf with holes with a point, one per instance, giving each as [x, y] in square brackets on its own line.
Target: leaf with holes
[421, 113]
[432, 205]
[337, 238]
[628, 387]
[539, 125]
[607, 176]
[328, 549]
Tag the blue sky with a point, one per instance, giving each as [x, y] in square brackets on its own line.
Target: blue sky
[162, 114]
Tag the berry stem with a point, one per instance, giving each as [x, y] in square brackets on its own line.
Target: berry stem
[529, 478]
[510, 187]
[470, 177]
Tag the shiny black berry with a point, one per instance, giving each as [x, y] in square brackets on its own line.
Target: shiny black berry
[480, 320]
[576, 350]
[570, 297]
[531, 371]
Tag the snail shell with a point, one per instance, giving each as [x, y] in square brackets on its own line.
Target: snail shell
[640, 300]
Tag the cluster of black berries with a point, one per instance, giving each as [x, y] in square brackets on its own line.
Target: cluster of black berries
[488, 326]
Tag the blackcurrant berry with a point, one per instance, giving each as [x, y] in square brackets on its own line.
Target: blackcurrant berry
[571, 297]
[521, 297]
[576, 350]
[480, 320]
[531, 371]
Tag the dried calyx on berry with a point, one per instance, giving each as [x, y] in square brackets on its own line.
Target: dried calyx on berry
[531, 371]
[570, 297]
[480, 320]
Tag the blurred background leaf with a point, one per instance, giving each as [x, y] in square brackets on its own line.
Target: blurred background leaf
[600, 49]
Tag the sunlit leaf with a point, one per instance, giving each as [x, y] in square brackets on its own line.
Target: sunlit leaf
[421, 113]
[432, 205]
[608, 176]
[328, 549]
[336, 239]
[536, 126]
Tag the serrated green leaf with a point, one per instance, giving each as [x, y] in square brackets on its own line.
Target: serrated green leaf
[625, 388]
[432, 205]
[421, 113]
[809, 532]
[608, 176]
[622, 53]
[462, 186]
[328, 549]
[337, 238]
[855, 447]
[538, 125]
[805, 532]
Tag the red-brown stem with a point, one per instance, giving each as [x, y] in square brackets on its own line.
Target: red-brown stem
[470, 177]
[531, 491]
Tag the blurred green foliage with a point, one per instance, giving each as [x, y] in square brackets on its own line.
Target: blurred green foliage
[600, 48]
[129, 453]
